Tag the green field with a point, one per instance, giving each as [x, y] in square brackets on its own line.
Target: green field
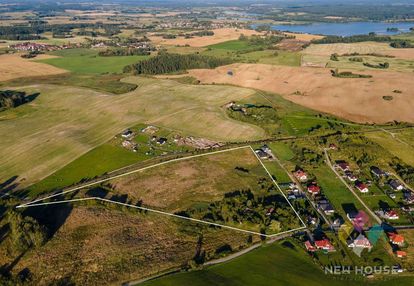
[401, 149]
[234, 45]
[71, 121]
[87, 61]
[335, 190]
[269, 265]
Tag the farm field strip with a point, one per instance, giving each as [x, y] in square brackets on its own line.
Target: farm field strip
[37, 202]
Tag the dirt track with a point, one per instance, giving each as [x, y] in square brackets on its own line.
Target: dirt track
[359, 100]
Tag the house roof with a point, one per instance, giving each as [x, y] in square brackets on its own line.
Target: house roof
[324, 243]
[396, 238]
[401, 253]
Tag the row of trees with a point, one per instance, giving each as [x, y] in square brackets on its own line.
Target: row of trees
[124, 52]
[170, 63]
[352, 39]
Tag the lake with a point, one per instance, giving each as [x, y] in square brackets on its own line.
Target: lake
[347, 29]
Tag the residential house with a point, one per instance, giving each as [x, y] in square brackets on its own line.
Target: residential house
[351, 176]
[359, 241]
[352, 214]
[377, 171]
[396, 239]
[314, 189]
[262, 154]
[409, 197]
[326, 207]
[301, 175]
[344, 166]
[332, 146]
[324, 244]
[401, 254]
[161, 140]
[363, 188]
[127, 134]
[396, 185]
[392, 215]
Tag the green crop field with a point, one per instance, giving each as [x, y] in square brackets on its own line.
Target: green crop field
[86, 61]
[71, 121]
[269, 265]
[234, 45]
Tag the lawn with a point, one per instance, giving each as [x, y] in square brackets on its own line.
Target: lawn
[65, 122]
[87, 61]
[269, 265]
[335, 190]
[98, 161]
[277, 172]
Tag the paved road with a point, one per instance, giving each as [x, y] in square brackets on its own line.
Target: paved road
[329, 163]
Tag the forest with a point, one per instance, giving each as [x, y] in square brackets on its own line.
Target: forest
[169, 63]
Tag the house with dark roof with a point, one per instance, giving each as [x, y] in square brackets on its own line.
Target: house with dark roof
[344, 166]
[363, 188]
[396, 185]
[326, 207]
[377, 171]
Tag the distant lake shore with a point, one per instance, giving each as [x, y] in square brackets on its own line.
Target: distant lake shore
[347, 29]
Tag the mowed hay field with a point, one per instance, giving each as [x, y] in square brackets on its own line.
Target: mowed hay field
[220, 35]
[319, 55]
[180, 185]
[13, 66]
[65, 122]
[96, 244]
[359, 100]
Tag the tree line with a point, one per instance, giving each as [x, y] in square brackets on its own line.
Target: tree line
[124, 52]
[169, 63]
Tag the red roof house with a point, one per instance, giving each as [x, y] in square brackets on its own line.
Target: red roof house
[301, 175]
[401, 254]
[314, 189]
[392, 215]
[324, 244]
[396, 238]
[363, 188]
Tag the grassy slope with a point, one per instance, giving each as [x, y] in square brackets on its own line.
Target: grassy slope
[269, 265]
[86, 61]
[61, 118]
[395, 147]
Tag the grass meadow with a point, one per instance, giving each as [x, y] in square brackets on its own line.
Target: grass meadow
[70, 121]
[273, 264]
[87, 61]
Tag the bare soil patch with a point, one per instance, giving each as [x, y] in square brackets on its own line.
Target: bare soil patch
[14, 66]
[220, 35]
[305, 37]
[358, 100]
[292, 45]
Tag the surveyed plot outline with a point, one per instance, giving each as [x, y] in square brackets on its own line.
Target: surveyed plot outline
[39, 202]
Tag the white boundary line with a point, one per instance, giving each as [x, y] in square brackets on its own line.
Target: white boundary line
[277, 185]
[162, 213]
[34, 203]
[129, 173]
